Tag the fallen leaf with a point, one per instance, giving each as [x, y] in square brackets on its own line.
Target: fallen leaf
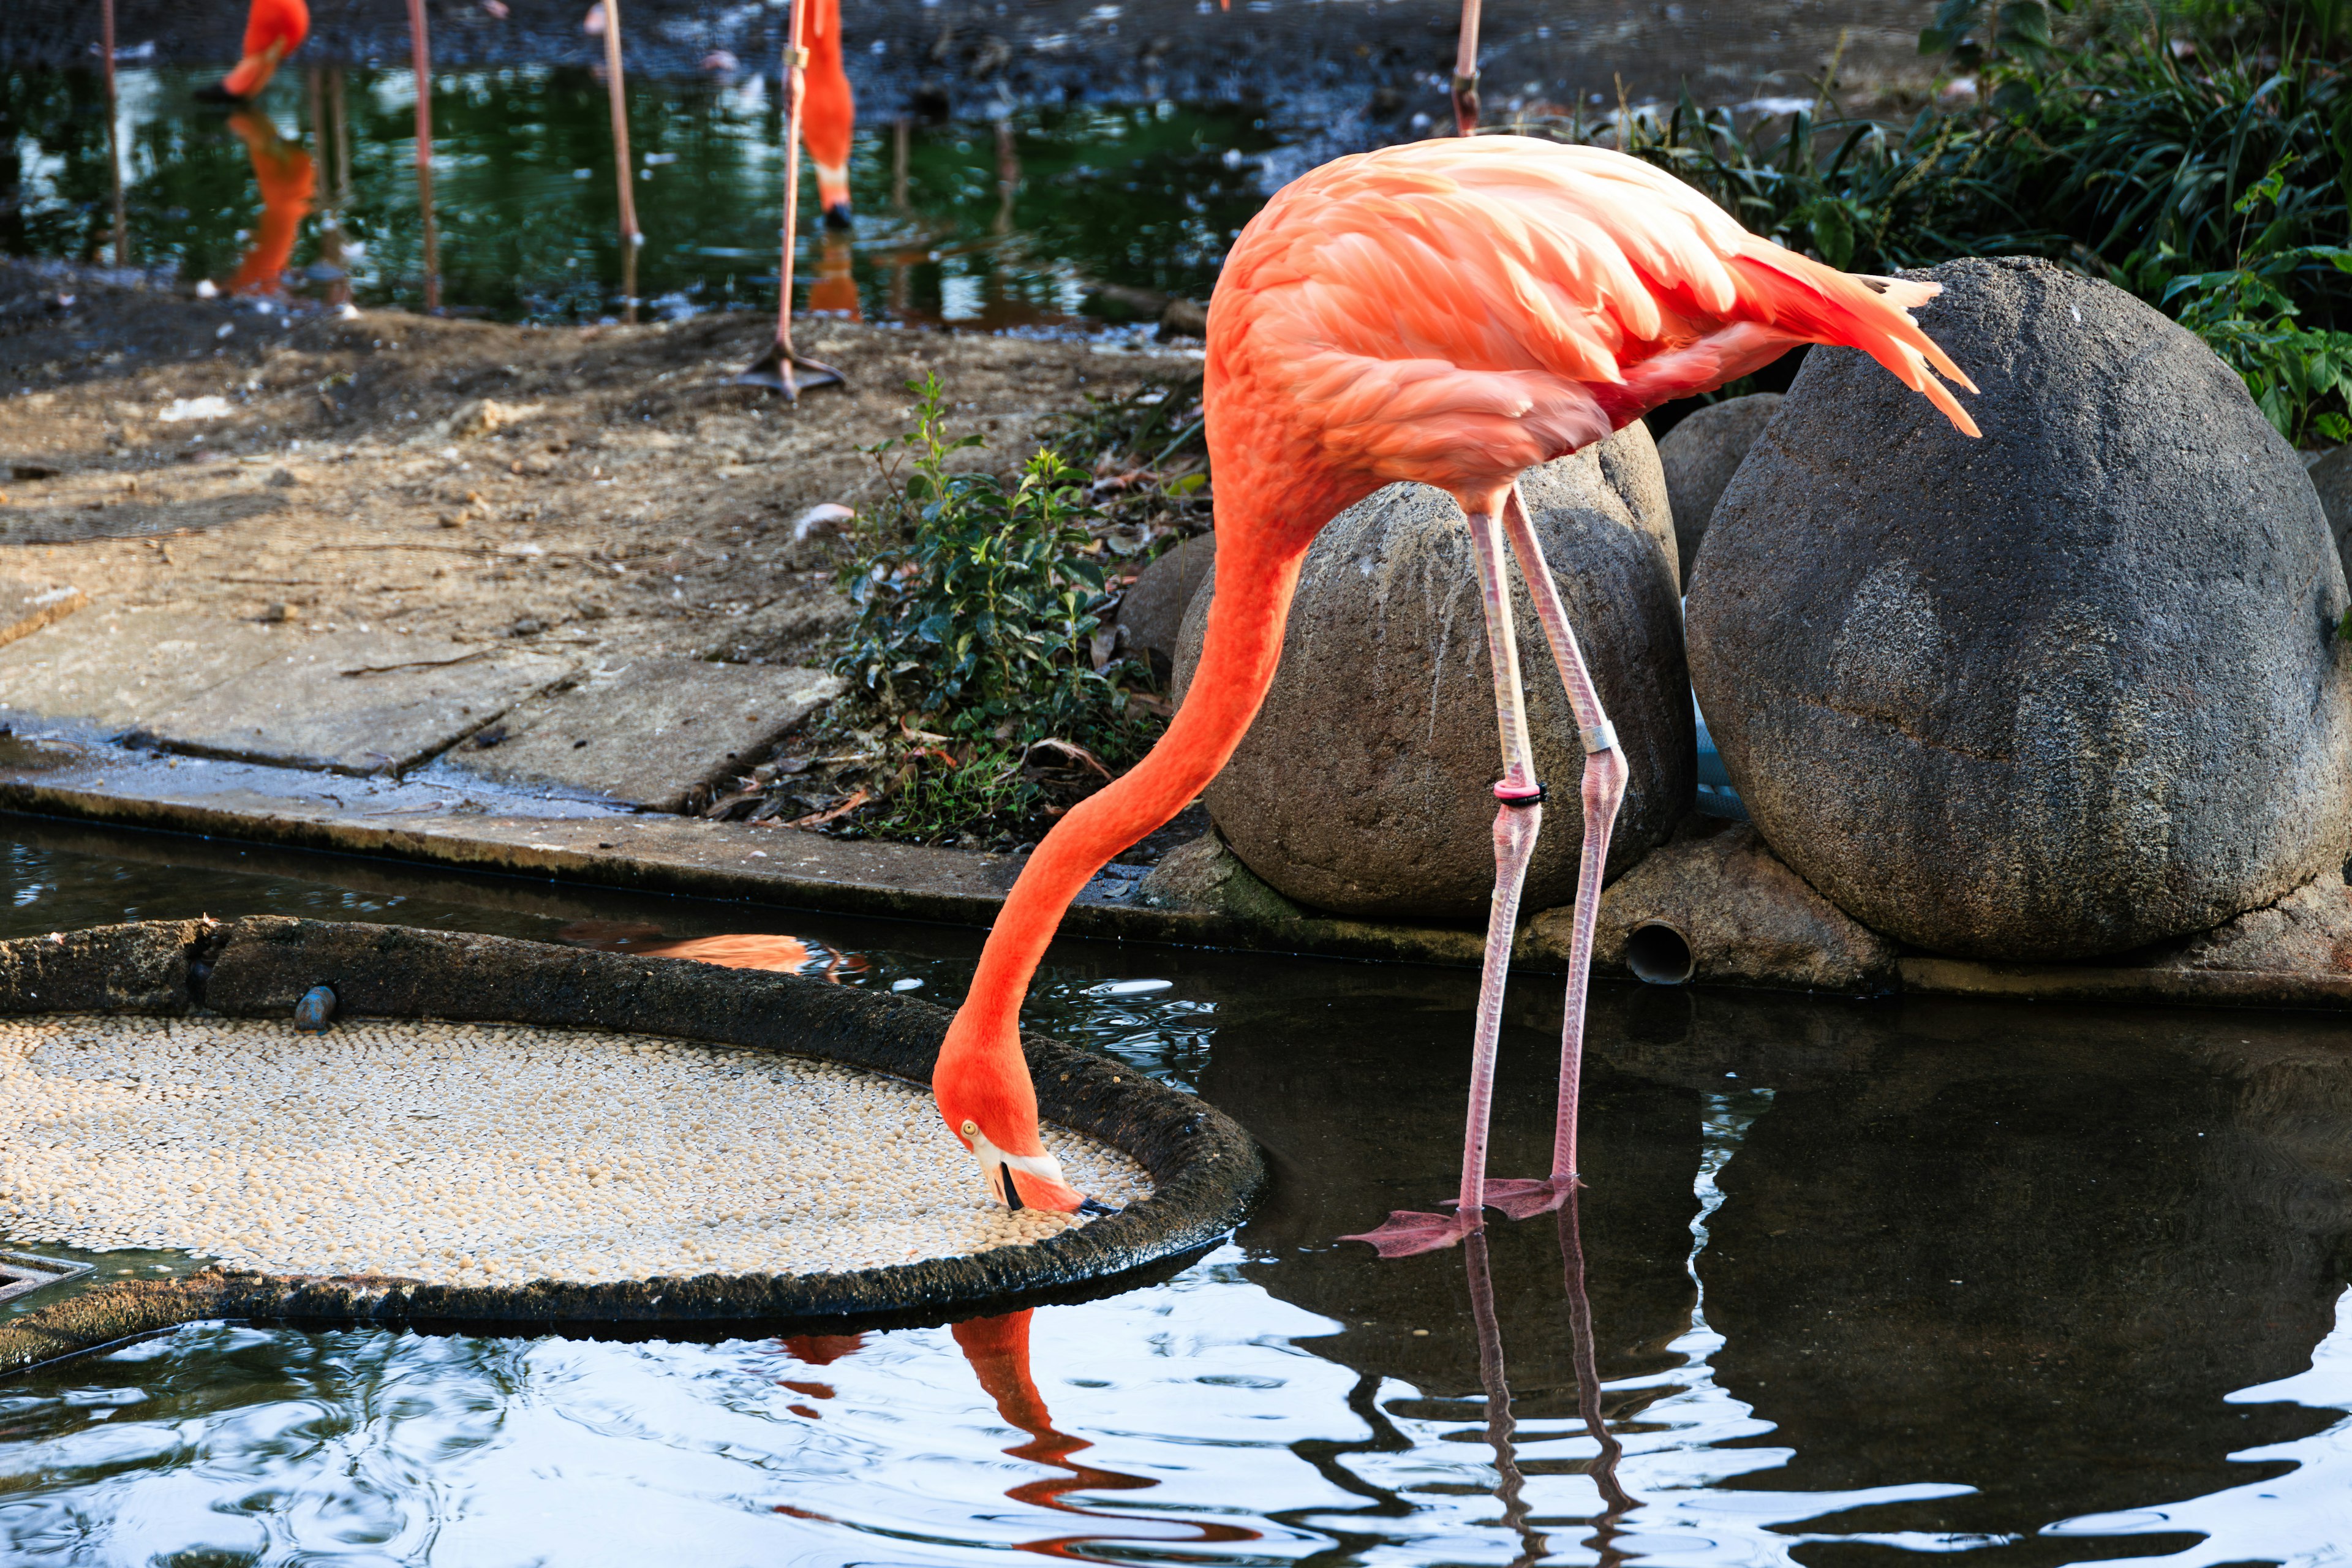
[819, 818]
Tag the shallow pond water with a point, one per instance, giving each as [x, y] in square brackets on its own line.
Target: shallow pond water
[1006, 223]
[1864, 1282]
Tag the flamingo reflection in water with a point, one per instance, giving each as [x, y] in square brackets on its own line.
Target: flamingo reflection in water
[997, 1350]
[288, 181]
[1502, 1428]
[742, 950]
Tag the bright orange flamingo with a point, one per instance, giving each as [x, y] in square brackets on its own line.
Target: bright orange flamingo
[273, 30]
[1450, 313]
[287, 180]
[830, 115]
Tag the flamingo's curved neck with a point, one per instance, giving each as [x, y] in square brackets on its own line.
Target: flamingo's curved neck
[1255, 577]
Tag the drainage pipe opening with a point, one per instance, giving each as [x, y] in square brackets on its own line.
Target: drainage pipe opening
[1657, 952]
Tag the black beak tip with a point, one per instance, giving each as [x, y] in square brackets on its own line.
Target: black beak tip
[1095, 1207]
[839, 217]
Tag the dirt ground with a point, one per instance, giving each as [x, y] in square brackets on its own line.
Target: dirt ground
[603, 489]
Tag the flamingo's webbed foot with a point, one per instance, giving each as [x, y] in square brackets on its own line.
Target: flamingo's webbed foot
[782, 369]
[1406, 1231]
[1521, 1198]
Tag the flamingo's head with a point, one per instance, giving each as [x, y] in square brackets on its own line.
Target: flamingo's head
[1032, 1180]
[984, 1094]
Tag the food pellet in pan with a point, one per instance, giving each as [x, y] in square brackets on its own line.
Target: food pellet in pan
[486, 1153]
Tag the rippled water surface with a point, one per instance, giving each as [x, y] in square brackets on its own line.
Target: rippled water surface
[1866, 1282]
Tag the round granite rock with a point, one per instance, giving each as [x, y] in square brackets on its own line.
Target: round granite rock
[1700, 455]
[1205, 1171]
[1364, 787]
[2060, 691]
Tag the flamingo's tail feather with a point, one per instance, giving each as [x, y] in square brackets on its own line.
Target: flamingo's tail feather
[1799, 295]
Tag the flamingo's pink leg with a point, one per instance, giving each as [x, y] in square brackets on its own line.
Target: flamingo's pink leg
[1604, 788]
[1517, 820]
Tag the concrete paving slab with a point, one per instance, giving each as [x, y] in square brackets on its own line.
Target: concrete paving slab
[651, 731]
[356, 702]
[26, 607]
[114, 668]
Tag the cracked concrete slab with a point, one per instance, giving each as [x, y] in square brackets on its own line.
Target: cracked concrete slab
[356, 702]
[649, 732]
[350, 701]
[112, 669]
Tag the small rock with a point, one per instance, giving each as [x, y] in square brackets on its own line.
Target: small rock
[1183, 318]
[1715, 906]
[315, 1011]
[282, 478]
[1151, 612]
[1365, 785]
[2065, 690]
[529, 627]
[1700, 455]
[2331, 475]
[276, 612]
[486, 417]
[1206, 875]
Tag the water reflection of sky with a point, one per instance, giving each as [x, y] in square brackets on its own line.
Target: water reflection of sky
[1867, 1282]
[987, 225]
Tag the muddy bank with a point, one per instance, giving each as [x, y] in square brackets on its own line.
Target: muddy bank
[601, 489]
[911, 56]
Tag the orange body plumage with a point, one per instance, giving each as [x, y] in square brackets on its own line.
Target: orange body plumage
[1448, 311]
[829, 115]
[273, 30]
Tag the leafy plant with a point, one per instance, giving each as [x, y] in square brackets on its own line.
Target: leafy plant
[2210, 180]
[979, 602]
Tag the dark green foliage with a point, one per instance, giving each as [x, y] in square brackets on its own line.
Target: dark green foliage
[2208, 178]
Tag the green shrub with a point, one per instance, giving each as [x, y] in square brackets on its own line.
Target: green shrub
[979, 600]
[2211, 182]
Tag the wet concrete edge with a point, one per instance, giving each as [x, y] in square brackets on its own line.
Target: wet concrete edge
[1208, 1173]
[735, 861]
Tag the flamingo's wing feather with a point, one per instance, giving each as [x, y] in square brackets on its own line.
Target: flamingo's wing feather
[1528, 297]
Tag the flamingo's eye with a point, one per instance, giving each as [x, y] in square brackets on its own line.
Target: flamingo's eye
[970, 1127]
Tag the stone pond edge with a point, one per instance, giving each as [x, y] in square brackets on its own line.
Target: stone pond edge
[1207, 1170]
[735, 861]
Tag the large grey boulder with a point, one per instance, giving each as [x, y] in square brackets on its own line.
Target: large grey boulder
[1700, 455]
[2060, 691]
[1364, 786]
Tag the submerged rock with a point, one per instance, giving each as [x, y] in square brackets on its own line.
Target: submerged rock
[2061, 691]
[1364, 786]
[1700, 455]
[1717, 906]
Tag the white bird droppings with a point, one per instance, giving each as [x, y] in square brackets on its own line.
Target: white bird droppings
[486, 1153]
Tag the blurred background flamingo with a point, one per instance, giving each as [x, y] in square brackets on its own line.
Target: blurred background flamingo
[273, 30]
[829, 117]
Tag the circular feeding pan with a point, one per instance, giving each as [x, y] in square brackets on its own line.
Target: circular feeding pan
[496, 1132]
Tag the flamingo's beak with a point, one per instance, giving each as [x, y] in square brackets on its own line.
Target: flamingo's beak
[1025, 1181]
